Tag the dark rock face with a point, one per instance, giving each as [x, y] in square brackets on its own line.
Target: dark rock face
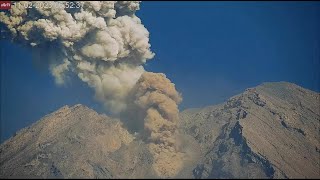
[270, 131]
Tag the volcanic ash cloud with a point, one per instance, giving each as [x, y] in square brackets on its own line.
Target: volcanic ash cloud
[158, 98]
[105, 45]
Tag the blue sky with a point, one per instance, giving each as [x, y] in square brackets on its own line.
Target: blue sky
[210, 50]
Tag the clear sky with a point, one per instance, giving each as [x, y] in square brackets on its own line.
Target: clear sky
[210, 50]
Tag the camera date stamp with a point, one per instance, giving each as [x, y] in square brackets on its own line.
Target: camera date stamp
[48, 4]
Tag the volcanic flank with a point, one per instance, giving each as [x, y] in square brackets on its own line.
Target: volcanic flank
[270, 131]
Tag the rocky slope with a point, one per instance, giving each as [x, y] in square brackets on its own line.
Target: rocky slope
[74, 142]
[270, 131]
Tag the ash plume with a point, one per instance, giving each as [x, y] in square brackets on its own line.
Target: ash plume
[158, 98]
[105, 45]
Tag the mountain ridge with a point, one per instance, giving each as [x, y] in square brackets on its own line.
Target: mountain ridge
[268, 131]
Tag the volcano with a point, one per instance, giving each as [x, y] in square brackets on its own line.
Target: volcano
[268, 131]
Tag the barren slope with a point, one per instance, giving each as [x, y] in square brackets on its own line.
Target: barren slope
[270, 131]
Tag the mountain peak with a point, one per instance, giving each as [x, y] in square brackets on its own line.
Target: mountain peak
[268, 131]
[275, 124]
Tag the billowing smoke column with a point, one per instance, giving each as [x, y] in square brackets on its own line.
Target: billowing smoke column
[157, 96]
[105, 45]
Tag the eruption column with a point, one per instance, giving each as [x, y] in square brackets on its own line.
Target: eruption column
[105, 45]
